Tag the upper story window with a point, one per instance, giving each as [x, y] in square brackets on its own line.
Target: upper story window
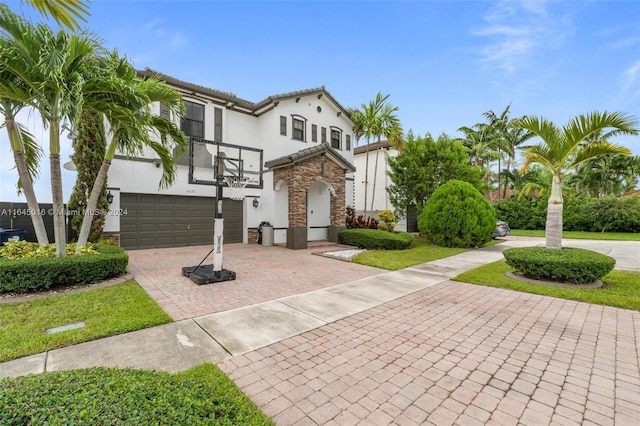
[193, 121]
[336, 136]
[299, 126]
[283, 125]
[314, 133]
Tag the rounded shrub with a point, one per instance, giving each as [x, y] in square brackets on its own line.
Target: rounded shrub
[457, 215]
[40, 273]
[571, 265]
[376, 239]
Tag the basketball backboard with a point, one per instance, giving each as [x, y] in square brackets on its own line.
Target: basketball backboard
[239, 161]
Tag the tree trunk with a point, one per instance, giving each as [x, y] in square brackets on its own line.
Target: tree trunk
[375, 176]
[366, 179]
[26, 183]
[92, 204]
[553, 228]
[59, 215]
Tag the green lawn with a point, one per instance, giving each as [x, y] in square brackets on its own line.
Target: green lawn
[621, 288]
[106, 311]
[624, 236]
[202, 395]
[421, 251]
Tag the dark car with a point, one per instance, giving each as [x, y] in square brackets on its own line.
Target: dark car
[502, 229]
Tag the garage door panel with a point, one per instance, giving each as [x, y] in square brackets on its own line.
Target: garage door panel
[175, 221]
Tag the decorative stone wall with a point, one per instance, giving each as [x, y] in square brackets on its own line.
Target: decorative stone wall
[252, 235]
[299, 178]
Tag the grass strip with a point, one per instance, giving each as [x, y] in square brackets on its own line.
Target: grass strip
[421, 251]
[107, 311]
[202, 395]
[620, 288]
[579, 235]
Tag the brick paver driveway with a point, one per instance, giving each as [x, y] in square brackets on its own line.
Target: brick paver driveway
[454, 354]
[263, 273]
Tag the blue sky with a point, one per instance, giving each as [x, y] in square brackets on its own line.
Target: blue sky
[443, 62]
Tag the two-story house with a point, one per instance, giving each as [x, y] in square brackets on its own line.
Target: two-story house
[294, 150]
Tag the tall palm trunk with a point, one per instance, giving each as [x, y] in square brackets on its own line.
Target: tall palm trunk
[92, 204]
[366, 179]
[57, 198]
[375, 176]
[25, 181]
[553, 231]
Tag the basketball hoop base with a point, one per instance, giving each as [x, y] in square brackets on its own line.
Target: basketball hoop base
[204, 274]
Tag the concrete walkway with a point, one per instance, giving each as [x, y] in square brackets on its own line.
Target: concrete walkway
[404, 347]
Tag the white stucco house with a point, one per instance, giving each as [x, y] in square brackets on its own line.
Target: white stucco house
[294, 149]
[365, 183]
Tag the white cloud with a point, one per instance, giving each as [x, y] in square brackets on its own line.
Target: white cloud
[518, 30]
[631, 81]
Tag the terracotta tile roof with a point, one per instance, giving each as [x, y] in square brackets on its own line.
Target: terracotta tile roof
[234, 100]
[310, 152]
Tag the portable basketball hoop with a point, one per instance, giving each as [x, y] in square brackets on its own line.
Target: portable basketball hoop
[236, 186]
[206, 274]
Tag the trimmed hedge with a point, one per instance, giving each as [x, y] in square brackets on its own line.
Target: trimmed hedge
[607, 214]
[457, 215]
[376, 239]
[202, 395]
[572, 265]
[42, 273]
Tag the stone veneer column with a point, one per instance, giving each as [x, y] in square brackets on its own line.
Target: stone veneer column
[299, 178]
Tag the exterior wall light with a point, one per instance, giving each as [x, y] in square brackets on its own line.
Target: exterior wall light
[256, 203]
[109, 197]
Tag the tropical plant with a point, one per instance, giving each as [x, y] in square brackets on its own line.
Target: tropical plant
[612, 174]
[478, 145]
[561, 150]
[423, 166]
[64, 12]
[133, 126]
[53, 65]
[505, 139]
[14, 96]
[375, 120]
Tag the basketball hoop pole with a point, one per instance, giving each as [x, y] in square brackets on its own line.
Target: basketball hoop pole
[213, 273]
[218, 221]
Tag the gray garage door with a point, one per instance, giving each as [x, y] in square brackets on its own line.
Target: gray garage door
[175, 221]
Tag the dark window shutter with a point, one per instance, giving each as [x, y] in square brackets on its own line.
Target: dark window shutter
[217, 122]
[283, 125]
[348, 142]
[324, 134]
[314, 133]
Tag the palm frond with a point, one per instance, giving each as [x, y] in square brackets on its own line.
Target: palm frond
[64, 12]
[594, 150]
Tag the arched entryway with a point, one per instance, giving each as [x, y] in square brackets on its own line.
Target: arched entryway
[315, 179]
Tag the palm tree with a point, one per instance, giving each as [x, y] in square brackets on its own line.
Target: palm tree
[14, 96]
[133, 127]
[376, 119]
[64, 12]
[563, 149]
[506, 138]
[56, 65]
[607, 175]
